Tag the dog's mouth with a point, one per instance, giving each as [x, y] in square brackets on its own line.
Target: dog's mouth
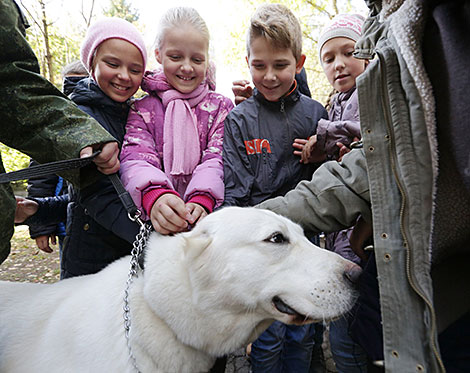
[282, 307]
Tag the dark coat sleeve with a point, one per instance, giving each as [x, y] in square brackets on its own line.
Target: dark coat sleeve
[52, 210]
[43, 186]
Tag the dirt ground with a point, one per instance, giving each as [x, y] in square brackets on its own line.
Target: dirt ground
[27, 263]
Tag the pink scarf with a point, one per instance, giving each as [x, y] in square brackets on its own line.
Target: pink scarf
[181, 146]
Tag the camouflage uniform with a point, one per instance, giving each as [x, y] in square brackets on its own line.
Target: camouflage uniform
[37, 119]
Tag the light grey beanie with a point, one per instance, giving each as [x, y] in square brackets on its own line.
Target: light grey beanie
[342, 25]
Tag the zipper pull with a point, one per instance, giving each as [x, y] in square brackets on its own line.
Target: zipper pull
[282, 105]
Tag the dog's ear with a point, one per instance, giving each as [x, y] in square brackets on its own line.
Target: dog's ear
[195, 243]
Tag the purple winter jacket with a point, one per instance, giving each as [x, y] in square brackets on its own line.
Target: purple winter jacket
[343, 123]
[142, 151]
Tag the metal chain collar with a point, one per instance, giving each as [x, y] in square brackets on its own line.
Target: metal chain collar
[137, 249]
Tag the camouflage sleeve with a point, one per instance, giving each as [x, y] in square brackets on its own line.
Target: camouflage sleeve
[37, 118]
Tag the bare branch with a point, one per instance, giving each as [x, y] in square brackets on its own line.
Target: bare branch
[322, 10]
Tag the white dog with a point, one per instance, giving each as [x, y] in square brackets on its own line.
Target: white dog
[202, 294]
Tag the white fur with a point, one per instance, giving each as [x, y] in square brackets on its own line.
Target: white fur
[202, 294]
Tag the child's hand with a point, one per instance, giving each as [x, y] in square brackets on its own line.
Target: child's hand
[197, 212]
[169, 214]
[242, 90]
[24, 209]
[299, 145]
[311, 153]
[42, 243]
[343, 149]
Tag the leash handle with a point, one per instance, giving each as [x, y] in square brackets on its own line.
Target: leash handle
[47, 168]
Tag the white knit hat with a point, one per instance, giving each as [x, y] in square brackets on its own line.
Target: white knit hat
[110, 28]
[342, 25]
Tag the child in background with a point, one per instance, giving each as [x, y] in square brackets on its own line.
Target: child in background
[71, 75]
[98, 228]
[171, 161]
[258, 160]
[336, 48]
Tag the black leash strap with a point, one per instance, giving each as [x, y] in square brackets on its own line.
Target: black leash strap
[54, 167]
[125, 197]
[47, 168]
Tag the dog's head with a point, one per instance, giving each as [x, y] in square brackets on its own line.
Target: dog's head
[247, 263]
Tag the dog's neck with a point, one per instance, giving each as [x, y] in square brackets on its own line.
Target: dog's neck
[185, 302]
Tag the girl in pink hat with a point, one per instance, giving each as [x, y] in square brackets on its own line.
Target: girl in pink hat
[98, 229]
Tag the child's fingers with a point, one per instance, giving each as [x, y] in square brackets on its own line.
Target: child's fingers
[197, 212]
[299, 143]
[168, 222]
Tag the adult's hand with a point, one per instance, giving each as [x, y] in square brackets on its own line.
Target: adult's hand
[108, 160]
[242, 90]
[24, 209]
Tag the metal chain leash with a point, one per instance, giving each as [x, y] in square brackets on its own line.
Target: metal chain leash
[137, 249]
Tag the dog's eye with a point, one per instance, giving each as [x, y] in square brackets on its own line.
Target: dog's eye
[277, 237]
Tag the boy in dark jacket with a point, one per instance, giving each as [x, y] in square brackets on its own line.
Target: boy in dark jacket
[258, 155]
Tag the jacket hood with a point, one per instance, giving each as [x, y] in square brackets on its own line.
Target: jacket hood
[69, 83]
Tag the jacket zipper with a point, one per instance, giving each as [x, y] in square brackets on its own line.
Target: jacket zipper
[282, 109]
[385, 100]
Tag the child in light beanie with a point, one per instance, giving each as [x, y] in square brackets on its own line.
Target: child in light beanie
[336, 48]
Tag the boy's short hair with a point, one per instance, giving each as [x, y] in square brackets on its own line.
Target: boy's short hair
[278, 25]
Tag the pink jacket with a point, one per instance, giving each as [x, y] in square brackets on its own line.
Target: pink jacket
[142, 150]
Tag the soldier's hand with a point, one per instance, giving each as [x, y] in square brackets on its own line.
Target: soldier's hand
[108, 160]
[24, 209]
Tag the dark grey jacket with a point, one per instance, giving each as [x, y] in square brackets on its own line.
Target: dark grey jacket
[258, 155]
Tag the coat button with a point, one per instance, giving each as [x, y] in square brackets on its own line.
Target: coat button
[86, 227]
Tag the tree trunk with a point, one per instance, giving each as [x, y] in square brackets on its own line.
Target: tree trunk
[48, 56]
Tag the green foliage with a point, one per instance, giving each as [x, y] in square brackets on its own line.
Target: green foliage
[121, 9]
[14, 160]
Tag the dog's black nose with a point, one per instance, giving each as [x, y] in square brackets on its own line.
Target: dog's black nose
[352, 273]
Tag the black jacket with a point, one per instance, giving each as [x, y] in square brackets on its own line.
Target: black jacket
[98, 228]
[258, 155]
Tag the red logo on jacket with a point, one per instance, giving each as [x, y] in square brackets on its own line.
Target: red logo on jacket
[256, 146]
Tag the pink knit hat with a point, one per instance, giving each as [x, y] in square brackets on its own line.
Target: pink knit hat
[342, 25]
[110, 28]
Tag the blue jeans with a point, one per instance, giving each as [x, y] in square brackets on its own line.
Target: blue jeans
[349, 357]
[283, 348]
